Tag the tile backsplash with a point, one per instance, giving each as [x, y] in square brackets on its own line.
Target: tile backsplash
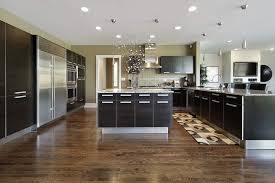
[153, 77]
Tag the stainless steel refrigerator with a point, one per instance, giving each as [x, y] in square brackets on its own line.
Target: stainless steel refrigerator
[51, 81]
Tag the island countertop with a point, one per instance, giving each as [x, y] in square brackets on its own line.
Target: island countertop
[136, 91]
[241, 92]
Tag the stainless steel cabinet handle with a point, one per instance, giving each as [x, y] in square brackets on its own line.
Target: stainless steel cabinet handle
[162, 102]
[178, 92]
[107, 102]
[215, 101]
[204, 98]
[107, 95]
[197, 96]
[144, 102]
[125, 102]
[232, 97]
[177, 72]
[144, 95]
[231, 105]
[162, 95]
[125, 95]
[23, 96]
[20, 92]
[215, 94]
[166, 72]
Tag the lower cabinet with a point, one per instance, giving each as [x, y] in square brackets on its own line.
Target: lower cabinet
[2, 117]
[144, 115]
[19, 106]
[179, 98]
[125, 114]
[205, 107]
[216, 111]
[197, 105]
[107, 114]
[233, 119]
[190, 103]
[163, 112]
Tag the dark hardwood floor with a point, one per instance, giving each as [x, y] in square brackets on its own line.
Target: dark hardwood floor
[73, 150]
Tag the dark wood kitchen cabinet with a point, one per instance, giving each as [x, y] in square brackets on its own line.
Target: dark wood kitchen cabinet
[144, 115]
[107, 113]
[81, 92]
[163, 110]
[205, 108]
[197, 103]
[19, 79]
[233, 115]
[177, 64]
[190, 101]
[2, 79]
[125, 113]
[179, 97]
[216, 109]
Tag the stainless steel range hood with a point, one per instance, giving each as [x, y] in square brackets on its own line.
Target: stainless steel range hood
[151, 59]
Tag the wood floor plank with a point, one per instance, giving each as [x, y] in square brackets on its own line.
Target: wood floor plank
[73, 150]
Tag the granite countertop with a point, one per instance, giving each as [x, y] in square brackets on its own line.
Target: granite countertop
[136, 91]
[241, 92]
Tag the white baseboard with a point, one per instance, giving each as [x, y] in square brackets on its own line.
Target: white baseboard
[90, 105]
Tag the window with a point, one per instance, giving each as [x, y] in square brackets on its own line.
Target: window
[212, 73]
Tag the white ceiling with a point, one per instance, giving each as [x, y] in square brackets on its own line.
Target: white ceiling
[63, 19]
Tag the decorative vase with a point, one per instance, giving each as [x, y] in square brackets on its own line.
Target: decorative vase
[134, 82]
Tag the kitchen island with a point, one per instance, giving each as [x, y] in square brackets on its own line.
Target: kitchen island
[135, 111]
[246, 115]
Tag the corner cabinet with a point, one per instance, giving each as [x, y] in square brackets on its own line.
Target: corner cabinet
[177, 64]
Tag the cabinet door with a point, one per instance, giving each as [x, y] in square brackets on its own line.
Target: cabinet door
[191, 101]
[125, 114]
[144, 113]
[176, 65]
[163, 112]
[107, 114]
[81, 91]
[166, 65]
[19, 60]
[233, 119]
[187, 65]
[216, 112]
[19, 113]
[2, 117]
[205, 107]
[197, 105]
[2, 59]
[177, 98]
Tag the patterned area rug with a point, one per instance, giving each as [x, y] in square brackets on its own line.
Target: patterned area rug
[200, 131]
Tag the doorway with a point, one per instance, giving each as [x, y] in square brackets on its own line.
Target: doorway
[108, 72]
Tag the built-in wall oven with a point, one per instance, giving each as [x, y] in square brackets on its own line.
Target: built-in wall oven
[72, 73]
[80, 72]
[72, 93]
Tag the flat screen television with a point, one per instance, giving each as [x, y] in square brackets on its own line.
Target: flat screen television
[245, 69]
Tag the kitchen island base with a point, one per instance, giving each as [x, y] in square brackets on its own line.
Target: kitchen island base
[139, 130]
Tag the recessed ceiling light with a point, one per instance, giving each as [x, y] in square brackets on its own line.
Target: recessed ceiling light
[229, 41]
[178, 28]
[84, 9]
[98, 28]
[192, 8]
[118, 36]
[271, 49]
[236, 49]
[152, 36]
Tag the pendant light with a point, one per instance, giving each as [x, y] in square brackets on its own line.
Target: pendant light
[244, 44]
[220, 52]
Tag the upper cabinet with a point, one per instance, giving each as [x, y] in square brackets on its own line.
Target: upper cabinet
[177, 64]
[75, 58]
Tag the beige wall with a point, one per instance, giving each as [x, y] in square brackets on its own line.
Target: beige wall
[90, 52]
[18, 22]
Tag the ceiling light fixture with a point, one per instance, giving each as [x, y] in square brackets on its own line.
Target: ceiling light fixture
[118, 36]
[152, 36]
[219, 23]
[271, 49]
[229, 41]
[236, 49]
[192, 8]
[84, 9]
[244, 7]
[220, 52]
[203, 34]
[113, 20]
[98, 28]
[177, 27]
[156, 20]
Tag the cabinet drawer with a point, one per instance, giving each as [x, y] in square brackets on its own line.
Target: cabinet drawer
[163, 96]
[216, 96]
[126, 96]
[235, 99]
[107, 96]
[144, 96]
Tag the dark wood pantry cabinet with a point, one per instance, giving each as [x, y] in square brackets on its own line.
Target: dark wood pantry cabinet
[16, 79]
[2, 79]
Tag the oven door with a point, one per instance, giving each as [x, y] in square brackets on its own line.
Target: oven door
[72, 76]
[71, 95]
[81, 73]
